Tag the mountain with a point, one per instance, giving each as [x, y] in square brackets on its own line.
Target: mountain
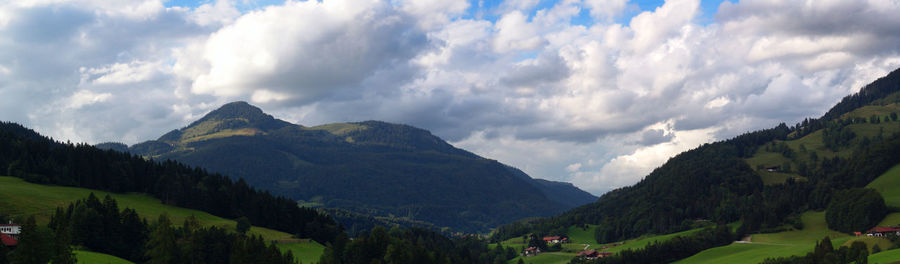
[763, 181]
[371, 168]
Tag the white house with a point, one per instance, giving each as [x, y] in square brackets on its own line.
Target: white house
[11, 229]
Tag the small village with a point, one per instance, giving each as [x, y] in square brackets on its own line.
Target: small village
[589, 254]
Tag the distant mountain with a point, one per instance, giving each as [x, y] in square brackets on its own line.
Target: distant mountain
[383, 170]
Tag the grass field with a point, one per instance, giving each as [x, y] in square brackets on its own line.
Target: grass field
[546, 258]
[19, 199]
[789, 243]
[886, 184]
[892, 219]
[885, 257]
[882, 243]
[87, 257]
[306, 252]
[579, 237]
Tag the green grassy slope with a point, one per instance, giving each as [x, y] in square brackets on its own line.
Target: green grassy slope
[882, 243]
[888, 184]
[885, 257]
[789, 243]
[87, 257]
[19, 199]
[305, 252]
[580, 237]
[813, 143]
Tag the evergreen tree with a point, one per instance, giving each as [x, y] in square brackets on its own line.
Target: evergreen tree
[243, 225]
[161, 247]
[62, 249]
[34, 244]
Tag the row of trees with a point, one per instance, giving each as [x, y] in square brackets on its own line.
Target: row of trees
[101, 227]
[413, 246]
[28, 155]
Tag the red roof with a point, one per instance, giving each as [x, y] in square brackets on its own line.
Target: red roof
[8, 240]
[587, 253]
[884, 229]
[551, 238]
[530, 249]
[9, 225]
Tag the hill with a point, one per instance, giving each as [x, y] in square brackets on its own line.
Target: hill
[764, 180]
[371, 168]
[29, 156]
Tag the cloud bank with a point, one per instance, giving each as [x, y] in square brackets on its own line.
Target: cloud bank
[568, 90]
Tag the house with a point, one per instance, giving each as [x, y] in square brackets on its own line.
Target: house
[588, 254]
[532, 251]
[880, 231]
[8, 240]
[556, 240]
[11, 229]
[593, 254]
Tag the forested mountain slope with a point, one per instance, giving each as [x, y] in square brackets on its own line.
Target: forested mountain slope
[764, 179]
[370, 168]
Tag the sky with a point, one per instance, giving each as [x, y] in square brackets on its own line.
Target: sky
[593, 92]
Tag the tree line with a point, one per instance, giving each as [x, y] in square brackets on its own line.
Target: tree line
[37, 159]
[413, 245]
[100, 226]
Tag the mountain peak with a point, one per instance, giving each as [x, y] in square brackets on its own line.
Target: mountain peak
[235, 118]
[239, 109]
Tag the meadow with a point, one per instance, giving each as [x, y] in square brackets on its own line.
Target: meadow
[19, 199]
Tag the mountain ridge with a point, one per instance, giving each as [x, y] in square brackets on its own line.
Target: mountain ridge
[369, 167]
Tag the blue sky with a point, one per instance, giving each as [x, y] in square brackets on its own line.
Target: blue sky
[635, 7]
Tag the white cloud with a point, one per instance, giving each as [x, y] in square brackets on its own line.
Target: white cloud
[84, 97]
[598, 105]
[302, 50]
[434, 13]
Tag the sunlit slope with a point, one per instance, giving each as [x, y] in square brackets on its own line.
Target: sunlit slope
[19, 199]
[762, 246]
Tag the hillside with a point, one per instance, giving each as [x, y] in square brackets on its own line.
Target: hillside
[369, 168]
[20, 199]
[29, 156]
[764, 180]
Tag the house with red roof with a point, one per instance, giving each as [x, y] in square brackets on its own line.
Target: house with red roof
[556, 239]
[881, 231]
[532, 251]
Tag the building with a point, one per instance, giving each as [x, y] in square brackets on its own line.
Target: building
[8, 240]
[593, 254]
[588, 254]
[11, 229]
[880, 231]
[532, 251]
[556, 240]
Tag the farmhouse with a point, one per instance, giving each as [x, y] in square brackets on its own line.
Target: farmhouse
[11, 229]
[880, 231]
[532, 251]
[588, 254]
[556, 240]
